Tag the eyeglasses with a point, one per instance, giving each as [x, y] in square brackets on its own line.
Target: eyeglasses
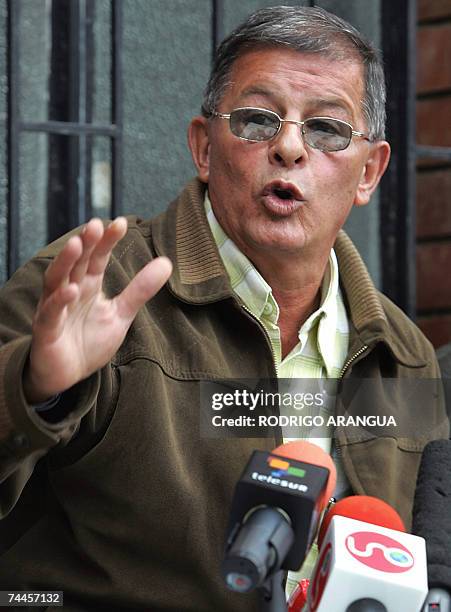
[258, 124]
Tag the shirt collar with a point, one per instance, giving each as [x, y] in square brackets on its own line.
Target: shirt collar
[333, 315]
[246, 280]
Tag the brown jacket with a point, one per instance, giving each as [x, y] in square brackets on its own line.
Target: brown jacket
[122, 504]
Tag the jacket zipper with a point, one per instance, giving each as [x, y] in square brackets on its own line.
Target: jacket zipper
[361, 350]
[268, 339]
[352, 359]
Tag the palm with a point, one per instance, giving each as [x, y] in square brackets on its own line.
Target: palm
[90, 333]
[76, 329]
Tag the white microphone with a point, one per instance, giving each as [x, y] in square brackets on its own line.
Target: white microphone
[366, 567]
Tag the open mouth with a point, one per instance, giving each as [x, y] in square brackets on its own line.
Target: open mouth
[283, 194]
[282, 198]
[283, 190]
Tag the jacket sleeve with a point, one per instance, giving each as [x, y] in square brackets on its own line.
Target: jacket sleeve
[24, 436]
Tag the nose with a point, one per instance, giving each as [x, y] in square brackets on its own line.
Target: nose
[288, 148]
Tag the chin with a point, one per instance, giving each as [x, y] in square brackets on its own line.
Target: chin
[285, 239]
[286, 246]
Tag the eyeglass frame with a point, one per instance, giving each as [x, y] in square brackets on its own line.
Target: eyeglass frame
[281, 121]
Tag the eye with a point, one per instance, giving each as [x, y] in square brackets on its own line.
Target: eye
[253, 124]
[259, 118]
[326, 126]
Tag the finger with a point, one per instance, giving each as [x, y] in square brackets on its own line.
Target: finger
[90, 236]
[58, 271]
[143, 287]
[102, 252]
[50, 314]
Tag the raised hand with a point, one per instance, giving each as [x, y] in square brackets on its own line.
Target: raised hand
[76, 329]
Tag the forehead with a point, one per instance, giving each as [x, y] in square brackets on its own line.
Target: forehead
[289, 77]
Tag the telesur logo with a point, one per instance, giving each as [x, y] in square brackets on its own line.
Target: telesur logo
[281, 468]
[379, 552]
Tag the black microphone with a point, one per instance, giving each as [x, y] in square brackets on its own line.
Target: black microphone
[260, 545]
[275, 513]
[366, 605]
[432, 521]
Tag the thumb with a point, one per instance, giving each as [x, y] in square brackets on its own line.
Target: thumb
[143, 287]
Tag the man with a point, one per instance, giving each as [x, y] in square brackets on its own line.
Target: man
[99, 390]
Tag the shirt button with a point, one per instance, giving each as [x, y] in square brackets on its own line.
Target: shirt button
[267, 309]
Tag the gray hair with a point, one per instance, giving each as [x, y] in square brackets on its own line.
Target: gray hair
[309, 30]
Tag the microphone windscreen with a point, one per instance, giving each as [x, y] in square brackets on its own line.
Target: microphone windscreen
[300, 450]
[366, 605]
[363, 508]
[432, 510]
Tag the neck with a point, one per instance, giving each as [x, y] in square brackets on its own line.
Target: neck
[297, 291]
[293, 314]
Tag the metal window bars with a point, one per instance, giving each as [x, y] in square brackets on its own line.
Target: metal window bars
[72, 20]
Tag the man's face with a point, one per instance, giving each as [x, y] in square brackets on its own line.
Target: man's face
[244, 177]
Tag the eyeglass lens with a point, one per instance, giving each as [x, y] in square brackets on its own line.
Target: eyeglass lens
[320, 133]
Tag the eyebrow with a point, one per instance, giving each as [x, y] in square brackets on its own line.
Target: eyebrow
[258, 90]
[335, 103]
[332, 103]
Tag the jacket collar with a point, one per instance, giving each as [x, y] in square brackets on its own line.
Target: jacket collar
[182, 233]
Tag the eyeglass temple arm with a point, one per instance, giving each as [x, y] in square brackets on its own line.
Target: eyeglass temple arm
[212, 113]
[361, 135]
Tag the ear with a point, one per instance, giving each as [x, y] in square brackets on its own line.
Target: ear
[199, 144]
[375, 166]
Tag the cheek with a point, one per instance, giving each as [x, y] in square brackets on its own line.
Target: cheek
[220, 164]
[342, 178]
[233, 166]
[334, 194]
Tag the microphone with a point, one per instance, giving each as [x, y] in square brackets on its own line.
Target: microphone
[366, 562]
[362, 508]
[432, 521]
[366, 605]
[298, 597]
[275, 512]
[356, 506]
